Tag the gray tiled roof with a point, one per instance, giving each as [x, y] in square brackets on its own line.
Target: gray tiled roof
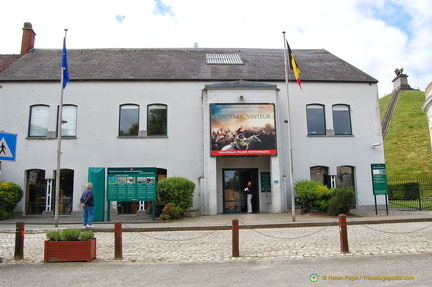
[180, 64]
[6, 61]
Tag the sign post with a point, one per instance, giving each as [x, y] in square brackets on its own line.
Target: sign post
[379, 183]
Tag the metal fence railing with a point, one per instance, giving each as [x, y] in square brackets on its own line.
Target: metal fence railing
[413, 194]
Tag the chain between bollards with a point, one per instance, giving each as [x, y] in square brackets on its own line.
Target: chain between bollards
[235, 238]
[19, 241]
[118, 242]
[343, 233]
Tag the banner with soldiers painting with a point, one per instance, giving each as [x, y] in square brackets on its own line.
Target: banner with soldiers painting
[242, 129]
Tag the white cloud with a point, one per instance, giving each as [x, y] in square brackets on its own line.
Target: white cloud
[360, 32]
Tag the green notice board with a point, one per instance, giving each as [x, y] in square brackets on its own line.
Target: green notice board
[265, 182]
[379, 179]
[131, 184]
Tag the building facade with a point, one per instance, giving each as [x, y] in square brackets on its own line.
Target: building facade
[219, 117]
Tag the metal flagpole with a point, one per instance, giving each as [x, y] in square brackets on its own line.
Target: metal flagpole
[59, 136]
[291, 178]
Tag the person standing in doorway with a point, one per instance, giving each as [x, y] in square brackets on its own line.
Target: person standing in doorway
[87, 203]
[249, 190]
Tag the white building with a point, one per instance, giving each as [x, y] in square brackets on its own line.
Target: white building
[427, 107]
[171, 109]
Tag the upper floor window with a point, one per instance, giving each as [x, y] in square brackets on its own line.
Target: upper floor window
[157, 120]
[342, 120]
[129, 120]
[38, 121]
[69, 115]
[315, 119]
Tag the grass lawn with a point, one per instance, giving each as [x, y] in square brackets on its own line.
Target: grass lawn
[407, 145]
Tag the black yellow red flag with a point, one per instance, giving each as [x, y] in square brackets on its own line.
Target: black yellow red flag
[294, 66]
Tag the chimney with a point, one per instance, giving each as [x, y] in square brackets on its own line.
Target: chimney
[28, 38]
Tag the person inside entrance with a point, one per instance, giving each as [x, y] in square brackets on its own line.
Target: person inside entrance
[249, 191]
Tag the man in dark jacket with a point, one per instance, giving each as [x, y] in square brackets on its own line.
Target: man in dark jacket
[88, 203]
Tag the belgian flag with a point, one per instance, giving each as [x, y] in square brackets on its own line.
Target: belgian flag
[294, 66]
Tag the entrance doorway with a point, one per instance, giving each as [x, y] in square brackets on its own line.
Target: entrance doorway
[234, 196]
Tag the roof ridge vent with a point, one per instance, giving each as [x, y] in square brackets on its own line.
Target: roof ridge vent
[223, 59]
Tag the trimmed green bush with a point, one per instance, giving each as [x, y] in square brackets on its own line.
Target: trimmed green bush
[54, 236]
[10, 195]
[176, 190]
[406, 191]
[70, 235]
[171, 211]
[312, 195]
[342, 201]
[86, 235]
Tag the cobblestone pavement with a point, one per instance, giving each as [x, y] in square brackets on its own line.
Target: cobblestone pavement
[268, 243]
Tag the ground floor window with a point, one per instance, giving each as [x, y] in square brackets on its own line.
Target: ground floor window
[35, 192]
[345, 177]
[66, 191]
[320, 174]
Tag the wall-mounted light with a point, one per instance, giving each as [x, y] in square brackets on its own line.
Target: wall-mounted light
[241, 98]
[375, 144]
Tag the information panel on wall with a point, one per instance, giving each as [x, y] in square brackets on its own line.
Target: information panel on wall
[379, 179]
[265, 182]
[131, 184]
[242, 129]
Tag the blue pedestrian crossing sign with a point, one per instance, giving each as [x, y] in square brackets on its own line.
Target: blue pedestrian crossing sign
[7, 146]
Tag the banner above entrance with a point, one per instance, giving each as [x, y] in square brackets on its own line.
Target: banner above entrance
[242, 129]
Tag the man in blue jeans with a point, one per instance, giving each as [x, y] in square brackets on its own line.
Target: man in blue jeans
[88, 203]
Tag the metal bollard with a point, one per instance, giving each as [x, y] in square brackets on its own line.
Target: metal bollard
[343, 233]
[235, 238]
[118, 245]
[19, 241]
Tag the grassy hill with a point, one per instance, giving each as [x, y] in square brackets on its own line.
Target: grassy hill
[407, 144]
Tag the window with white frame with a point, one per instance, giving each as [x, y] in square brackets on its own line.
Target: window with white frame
[39, 115]
[69, 121]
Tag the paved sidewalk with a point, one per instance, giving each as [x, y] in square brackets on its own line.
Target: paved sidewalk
[220, 221]
[262, 236]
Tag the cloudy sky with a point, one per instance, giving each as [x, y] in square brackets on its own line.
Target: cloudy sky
[376, 36]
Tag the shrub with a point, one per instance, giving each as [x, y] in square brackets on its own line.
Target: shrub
[54, 236]
[86, 235]
[312, 195]
[342, 201]
[176, 190]
[70, 235]
[10, 195]
[406, 191]
[171, 211]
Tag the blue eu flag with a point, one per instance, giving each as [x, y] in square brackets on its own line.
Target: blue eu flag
[65, 72]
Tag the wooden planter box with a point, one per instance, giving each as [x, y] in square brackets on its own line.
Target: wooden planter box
[61, 251]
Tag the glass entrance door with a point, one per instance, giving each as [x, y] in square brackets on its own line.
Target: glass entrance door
[232, 193]
[234, 182]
